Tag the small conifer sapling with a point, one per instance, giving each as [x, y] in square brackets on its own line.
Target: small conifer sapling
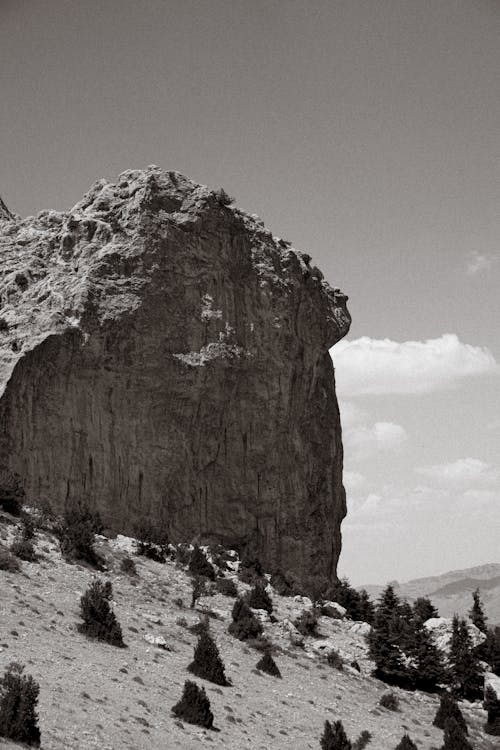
[194, 706]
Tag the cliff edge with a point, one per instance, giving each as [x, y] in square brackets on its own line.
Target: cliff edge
[163, 356]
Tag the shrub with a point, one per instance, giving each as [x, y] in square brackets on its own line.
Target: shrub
[11, 493]
[200, 566]
[250, 570]
[491, 705]
[335, 660]
[8, 562]
[449, 709]
[182, 555]
[244, 625]
[77, 532]
[258, 598]
[307, 622]
[4, 326]
[454, 737]
[227, 587]
[357, 603]
[334, 737]
[406, 743]
[23, 549]
[194, 706]
[389, 701]
[268, 665]
[18, 706]
[198, 584]
[152, 541]
[99, 620]
[283, 585]
[207, 662]
[128, 566]
[362, 741]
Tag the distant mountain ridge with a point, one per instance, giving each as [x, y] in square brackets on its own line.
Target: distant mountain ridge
[451, 592]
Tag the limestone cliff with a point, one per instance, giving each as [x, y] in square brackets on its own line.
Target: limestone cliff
[163, 355]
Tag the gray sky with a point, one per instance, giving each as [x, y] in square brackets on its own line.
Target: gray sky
[367, 133]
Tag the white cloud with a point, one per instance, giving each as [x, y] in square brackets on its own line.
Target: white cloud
[354, 482]
[477, 263]
[381, 366]
[462, 473]
[351, 415]
[364, 440]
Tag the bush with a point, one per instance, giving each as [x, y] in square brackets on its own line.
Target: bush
[8, 562]
[406, 743]
[357, 603]
[194, 706]
[77, 532]
[4, 326]
[335, 660]
[199, 588]
[244, 625]
[207, 662]
[268, 665]
[449, 709]
[334, 737]
[99, 620]
[11, 493]
[283, 585]
[128, 566]
[389, 701]
[200, 566]
[250, 570]
[454, 737]
[24, 550]
[227, 587]
[491, 705]
[258, 598]
[18, 706]
[363, 740]
[307, 622]
[152, 541]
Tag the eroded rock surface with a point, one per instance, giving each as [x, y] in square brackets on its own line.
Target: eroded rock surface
[162, 355]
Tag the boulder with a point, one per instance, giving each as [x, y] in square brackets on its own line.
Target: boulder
[333, 610]
[156, 640]
[296, 638]
[493, 681]
[163, 356]
[441, 628]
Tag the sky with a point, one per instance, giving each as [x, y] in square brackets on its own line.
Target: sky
[367, 133]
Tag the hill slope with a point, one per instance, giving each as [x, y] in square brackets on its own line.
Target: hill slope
[97, 696]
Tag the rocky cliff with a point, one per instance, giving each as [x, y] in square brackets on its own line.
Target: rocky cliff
[162, 355]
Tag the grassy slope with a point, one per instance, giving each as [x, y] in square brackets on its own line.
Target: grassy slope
[96, 696]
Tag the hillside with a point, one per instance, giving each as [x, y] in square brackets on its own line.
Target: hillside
[94, 695]
[451, 592]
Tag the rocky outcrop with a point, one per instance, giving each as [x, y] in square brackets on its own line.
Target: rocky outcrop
[162, 355]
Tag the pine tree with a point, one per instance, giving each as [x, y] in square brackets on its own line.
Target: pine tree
[268, 665]
[334, 737]
[490, 649]
[449, 709]
[244, 625]
[465, 665]
[200, 566]
[430, 670]
[18, 704]
[366, 608]
[99, 620]
[207, 662]
[476, 614]
[258, 598]
[384, 639]
[423, 609]
[454, 737]
[491, 705]
[194, 706]
[406, 744]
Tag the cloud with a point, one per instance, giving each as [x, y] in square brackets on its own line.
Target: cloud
[364, 440]
[368, 366]
[478, 263]
[462, 473]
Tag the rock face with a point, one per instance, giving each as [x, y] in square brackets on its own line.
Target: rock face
[162, 355]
